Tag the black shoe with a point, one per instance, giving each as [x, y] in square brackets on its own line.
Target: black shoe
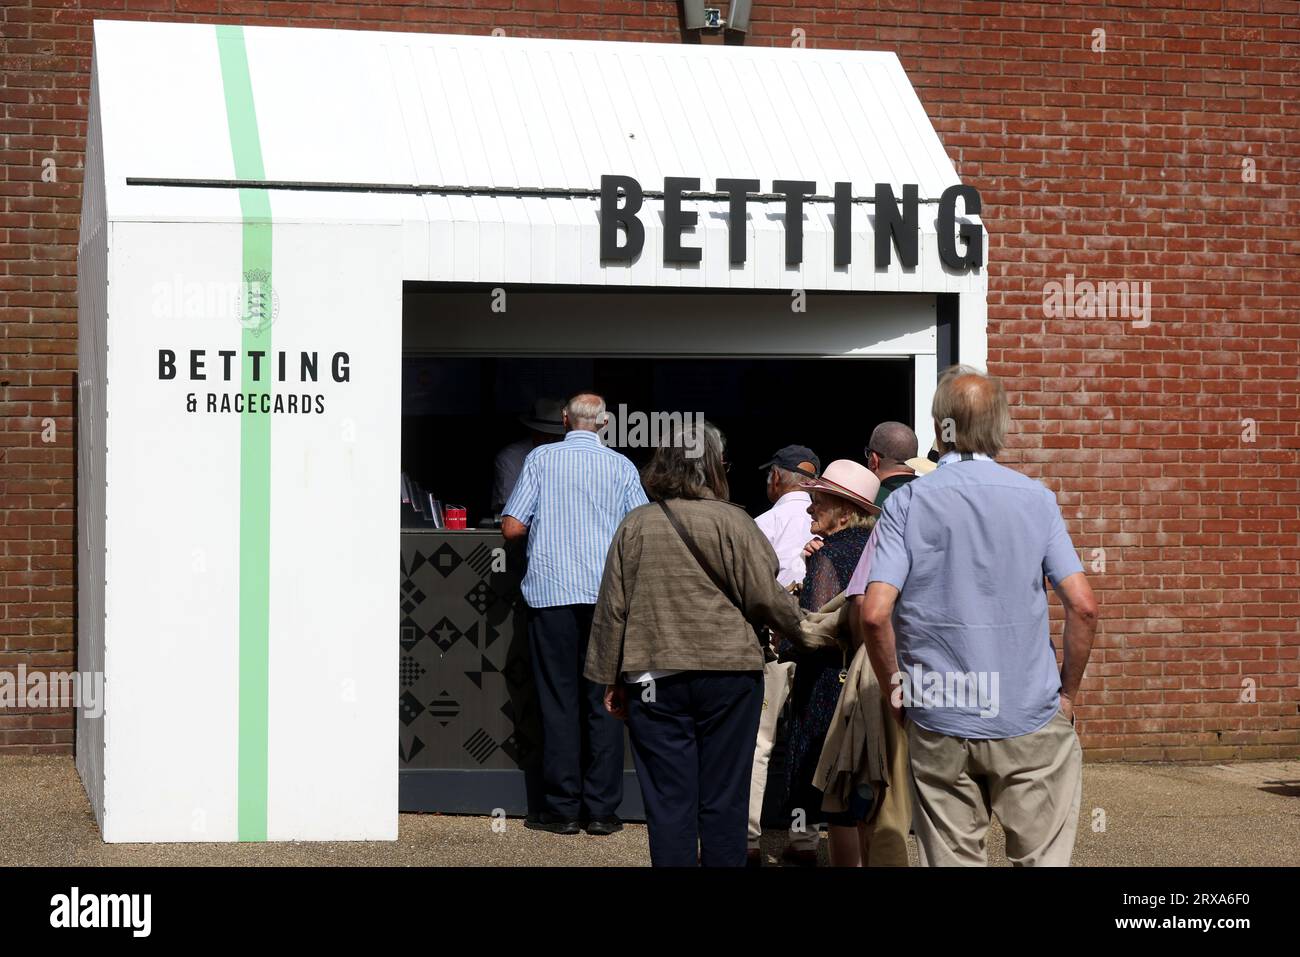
[550, 824]
[753, 858]
[604, 826]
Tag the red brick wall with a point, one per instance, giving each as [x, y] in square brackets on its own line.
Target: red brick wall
[1124, 165]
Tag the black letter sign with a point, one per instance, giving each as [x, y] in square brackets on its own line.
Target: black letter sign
[843, 223]
[737, 228]
[675, 221]
[612, 215]
[890, 226]
[794, 190]
[971, 233]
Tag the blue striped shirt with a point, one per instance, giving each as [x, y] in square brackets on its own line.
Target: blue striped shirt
[572, 495]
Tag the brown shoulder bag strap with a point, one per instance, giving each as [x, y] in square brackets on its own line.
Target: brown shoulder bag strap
[699, 558]
[708, 570]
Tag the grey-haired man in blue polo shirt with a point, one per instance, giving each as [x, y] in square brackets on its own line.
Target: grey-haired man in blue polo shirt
[955, 620]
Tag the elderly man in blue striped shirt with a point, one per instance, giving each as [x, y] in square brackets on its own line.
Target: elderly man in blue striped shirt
[569, 500]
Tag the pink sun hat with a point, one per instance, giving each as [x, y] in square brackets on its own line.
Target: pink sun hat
[848, 479]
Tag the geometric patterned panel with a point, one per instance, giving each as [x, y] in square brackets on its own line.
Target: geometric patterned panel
[466, 691]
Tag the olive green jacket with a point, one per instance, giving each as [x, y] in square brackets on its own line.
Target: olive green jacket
[658, 609]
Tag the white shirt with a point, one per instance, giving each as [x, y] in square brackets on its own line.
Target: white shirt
[788, 526]
[955, 456]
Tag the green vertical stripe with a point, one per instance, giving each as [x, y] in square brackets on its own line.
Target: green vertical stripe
[254, 449]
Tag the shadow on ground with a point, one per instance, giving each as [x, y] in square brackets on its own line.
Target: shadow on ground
[1133, 815]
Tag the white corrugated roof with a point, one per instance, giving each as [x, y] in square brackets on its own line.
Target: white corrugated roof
[338, 106]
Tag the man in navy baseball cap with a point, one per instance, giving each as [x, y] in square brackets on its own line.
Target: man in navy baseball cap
[795, 458]
[788, 526]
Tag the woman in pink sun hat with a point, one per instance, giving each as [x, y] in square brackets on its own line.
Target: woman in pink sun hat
[844, 512]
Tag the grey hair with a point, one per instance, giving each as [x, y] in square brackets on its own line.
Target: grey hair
[970, 411]
[586, 412]
[673, 472]
[787, 480]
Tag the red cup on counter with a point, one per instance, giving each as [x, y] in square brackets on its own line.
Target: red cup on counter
[457, 516]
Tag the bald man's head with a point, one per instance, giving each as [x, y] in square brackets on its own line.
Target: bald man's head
[893, 442]
[970, 412]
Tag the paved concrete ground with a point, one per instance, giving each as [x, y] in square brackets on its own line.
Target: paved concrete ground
[1240, 814]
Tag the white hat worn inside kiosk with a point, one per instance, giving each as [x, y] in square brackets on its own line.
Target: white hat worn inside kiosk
[254, 200]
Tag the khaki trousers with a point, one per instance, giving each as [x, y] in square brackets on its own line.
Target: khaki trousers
[1033, 783]
[778, 676]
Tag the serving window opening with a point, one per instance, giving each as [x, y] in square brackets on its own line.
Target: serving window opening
[469, 734]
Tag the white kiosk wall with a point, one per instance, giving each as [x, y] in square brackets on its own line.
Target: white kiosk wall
[190, 753]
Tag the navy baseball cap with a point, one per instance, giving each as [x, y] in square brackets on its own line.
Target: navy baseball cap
[795, 458]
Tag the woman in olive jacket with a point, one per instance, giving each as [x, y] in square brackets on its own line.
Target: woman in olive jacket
[674, 638]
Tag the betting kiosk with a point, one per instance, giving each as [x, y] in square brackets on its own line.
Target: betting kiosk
[313, 262]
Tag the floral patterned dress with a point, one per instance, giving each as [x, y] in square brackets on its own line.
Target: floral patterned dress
[817, 686]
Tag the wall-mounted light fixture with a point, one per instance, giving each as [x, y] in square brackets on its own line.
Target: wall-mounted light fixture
[738, 15]
[698, 16]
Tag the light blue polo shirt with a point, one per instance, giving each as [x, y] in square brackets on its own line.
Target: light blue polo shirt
[967, 546]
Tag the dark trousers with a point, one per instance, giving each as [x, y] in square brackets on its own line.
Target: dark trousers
[693, 744]
[582, 743]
